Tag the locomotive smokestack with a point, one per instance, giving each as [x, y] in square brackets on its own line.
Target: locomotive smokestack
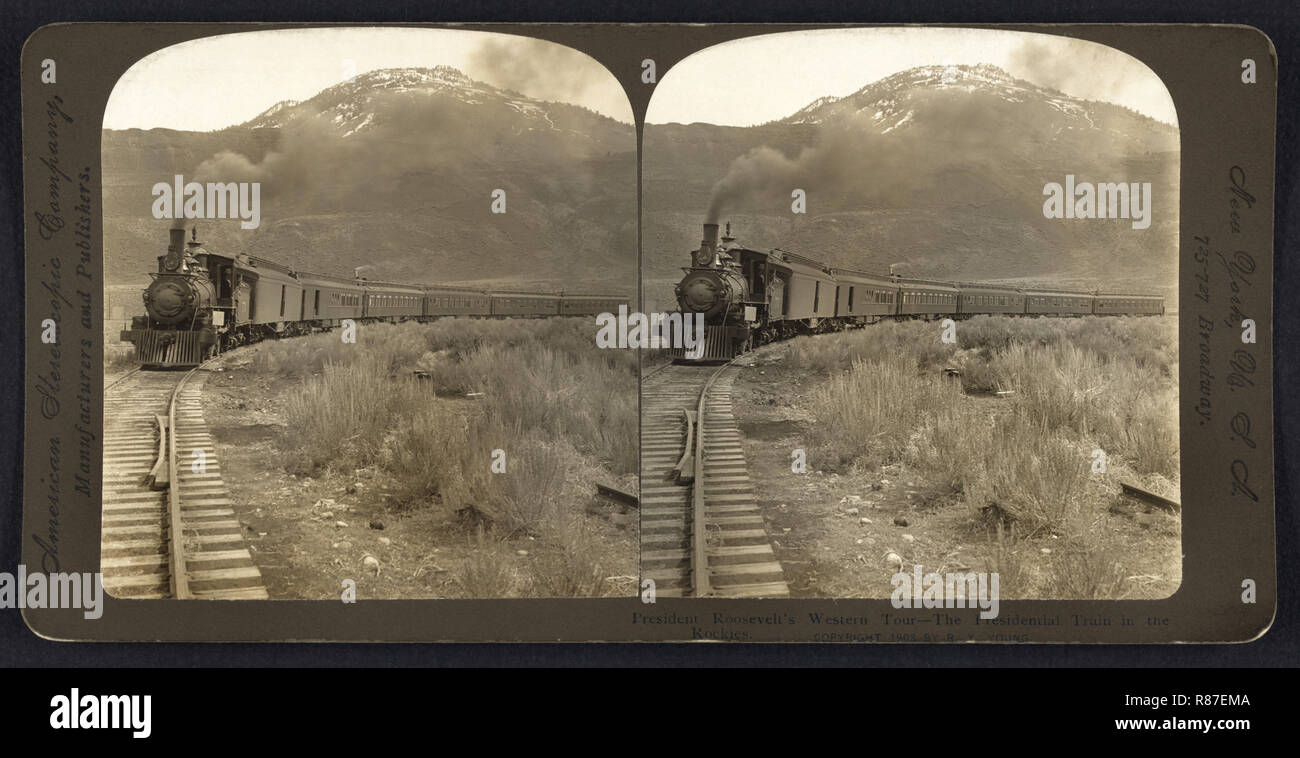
[710, 241]
[178, 241]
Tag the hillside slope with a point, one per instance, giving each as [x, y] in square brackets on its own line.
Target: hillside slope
[394, 170]
[939, 169]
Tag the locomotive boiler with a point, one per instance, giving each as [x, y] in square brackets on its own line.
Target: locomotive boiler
[716, 287]
[712, 288]
[179, 327]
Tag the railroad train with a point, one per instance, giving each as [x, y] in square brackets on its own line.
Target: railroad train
[749, 297]
[200, 303]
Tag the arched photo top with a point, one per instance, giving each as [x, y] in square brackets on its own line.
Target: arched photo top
[775, 77]
[215, 82]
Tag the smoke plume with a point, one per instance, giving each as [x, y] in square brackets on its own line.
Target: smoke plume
[1079, 68]
[537, 68]
[314, 164]
[851, 164]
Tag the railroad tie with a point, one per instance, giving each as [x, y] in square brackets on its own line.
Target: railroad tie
[135, 537]
[741, 562]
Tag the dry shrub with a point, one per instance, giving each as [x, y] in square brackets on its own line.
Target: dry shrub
[559, 383]
[523, 500]
[951, 446]
[543, 376]
[1031, 477]
[528, 496]
[338, 417]
[868, 414]
[1147, 437]
[1085, 568]
[568, 566]
[915, 344]
[1006, 559]
[489, 569]
[426, 448]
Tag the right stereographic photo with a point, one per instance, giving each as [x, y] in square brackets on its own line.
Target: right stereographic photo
[934, 273]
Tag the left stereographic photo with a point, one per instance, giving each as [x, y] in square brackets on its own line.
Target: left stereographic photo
[352, 280]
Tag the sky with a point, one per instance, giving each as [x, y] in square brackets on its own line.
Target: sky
[761, 79]
[216, 82]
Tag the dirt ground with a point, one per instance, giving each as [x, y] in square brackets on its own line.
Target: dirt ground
[309, 534]
[845, 535]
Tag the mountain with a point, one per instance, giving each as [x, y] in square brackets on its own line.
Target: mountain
[940, 169]
[395, 169]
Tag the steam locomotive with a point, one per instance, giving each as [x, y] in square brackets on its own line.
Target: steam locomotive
[749, 297]
[199, 303]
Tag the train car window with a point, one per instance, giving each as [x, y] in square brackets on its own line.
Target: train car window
[302, 304]
[282, 301]
[817, 293]
[850, 298]
[315, 307]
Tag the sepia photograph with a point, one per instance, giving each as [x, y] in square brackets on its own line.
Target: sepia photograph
[351, 281]
[938, 273]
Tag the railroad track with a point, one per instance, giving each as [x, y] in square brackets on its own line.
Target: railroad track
[169, 529]
[702, 534]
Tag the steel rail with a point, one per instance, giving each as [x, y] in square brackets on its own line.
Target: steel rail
[700, 579]
[121, 379]
[180, 583]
